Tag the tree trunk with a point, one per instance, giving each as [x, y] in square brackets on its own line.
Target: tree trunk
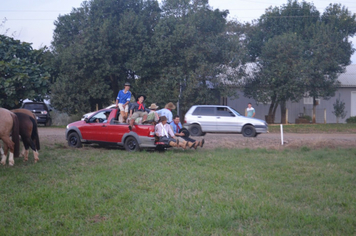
[314, 110]
[274, 110]
[271, 112]
[283, 112]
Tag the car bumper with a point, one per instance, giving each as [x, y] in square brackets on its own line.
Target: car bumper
[147, 142]
[261, 129]
[41, 119]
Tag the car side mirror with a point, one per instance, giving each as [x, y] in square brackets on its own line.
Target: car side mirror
[86, 120]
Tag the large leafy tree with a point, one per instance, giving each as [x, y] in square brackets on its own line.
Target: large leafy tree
[23, 72]
[189, 47]
[97, 48]
[326, 50]
[278, 74]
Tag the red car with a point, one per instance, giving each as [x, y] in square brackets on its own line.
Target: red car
[98, 129]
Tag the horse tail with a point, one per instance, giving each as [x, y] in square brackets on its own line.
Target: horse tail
[34, 134]
[15, 135]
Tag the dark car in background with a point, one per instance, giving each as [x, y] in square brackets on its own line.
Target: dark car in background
[41, 110]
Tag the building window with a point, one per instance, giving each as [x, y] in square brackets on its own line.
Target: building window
[309, 100]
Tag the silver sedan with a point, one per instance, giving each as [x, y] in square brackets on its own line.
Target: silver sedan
[201, 119]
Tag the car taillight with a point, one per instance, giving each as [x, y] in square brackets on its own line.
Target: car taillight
[185, 121]
[152, 134]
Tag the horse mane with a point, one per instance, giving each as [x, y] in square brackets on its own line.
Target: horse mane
[34, 134]
[15, 135]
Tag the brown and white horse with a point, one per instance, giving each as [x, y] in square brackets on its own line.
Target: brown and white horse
[29, 134]
[24, 152]
[9, 126]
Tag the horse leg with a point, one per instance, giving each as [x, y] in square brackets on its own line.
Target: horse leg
[25, 157]
[26, 148]
[35, 152]
[22, 154]
[8, 145]
[3, 156]
[11, 158]
[35, 156]
[29, 143]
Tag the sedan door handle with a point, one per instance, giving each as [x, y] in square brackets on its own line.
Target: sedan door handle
[199, 116]
[218, 117]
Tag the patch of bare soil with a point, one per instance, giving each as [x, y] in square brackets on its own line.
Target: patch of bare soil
[56, 136]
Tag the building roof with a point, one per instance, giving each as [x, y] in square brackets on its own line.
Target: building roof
[348, 79]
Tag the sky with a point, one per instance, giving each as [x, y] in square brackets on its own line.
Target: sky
[32, 21]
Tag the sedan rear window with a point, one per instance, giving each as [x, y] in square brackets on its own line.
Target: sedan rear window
[204, 111]
[223, 111]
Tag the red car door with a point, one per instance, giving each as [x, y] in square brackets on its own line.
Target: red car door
[115, 132]
[95, 129]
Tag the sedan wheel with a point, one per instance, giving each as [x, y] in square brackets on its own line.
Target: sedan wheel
[195, 130]
[248, 131]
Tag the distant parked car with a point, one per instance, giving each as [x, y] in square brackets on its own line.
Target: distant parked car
[41, 110]
[201, 119]
[87, 115]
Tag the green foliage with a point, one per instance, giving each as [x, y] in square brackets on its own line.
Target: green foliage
[23, 72]
[339, 109]
[277, 79]
[169, 54]
[351, 119]
[190, 45]
[324, 50]
[306, 117]
[98, 48]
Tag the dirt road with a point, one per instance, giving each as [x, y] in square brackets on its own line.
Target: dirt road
[52, 136]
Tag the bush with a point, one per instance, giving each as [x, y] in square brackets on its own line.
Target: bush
[306, 117]
[60, 119]
[351, 119]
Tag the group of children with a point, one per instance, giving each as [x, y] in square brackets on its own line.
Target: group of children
[168, 131]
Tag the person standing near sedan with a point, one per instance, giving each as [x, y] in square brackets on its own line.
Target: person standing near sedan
[250, 111]
[122, 101]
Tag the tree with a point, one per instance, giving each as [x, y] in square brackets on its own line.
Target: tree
[23, 72]
[99, 47]
[339, 109]
[326, 50]
[189, 47]
[278, 77]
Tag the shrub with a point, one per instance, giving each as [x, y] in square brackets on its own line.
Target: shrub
[307, 117]
[339, 109]
[60, 119]
[351, 119]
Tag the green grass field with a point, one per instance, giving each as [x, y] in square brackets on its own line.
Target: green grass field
[314, 128]
[98, 191]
